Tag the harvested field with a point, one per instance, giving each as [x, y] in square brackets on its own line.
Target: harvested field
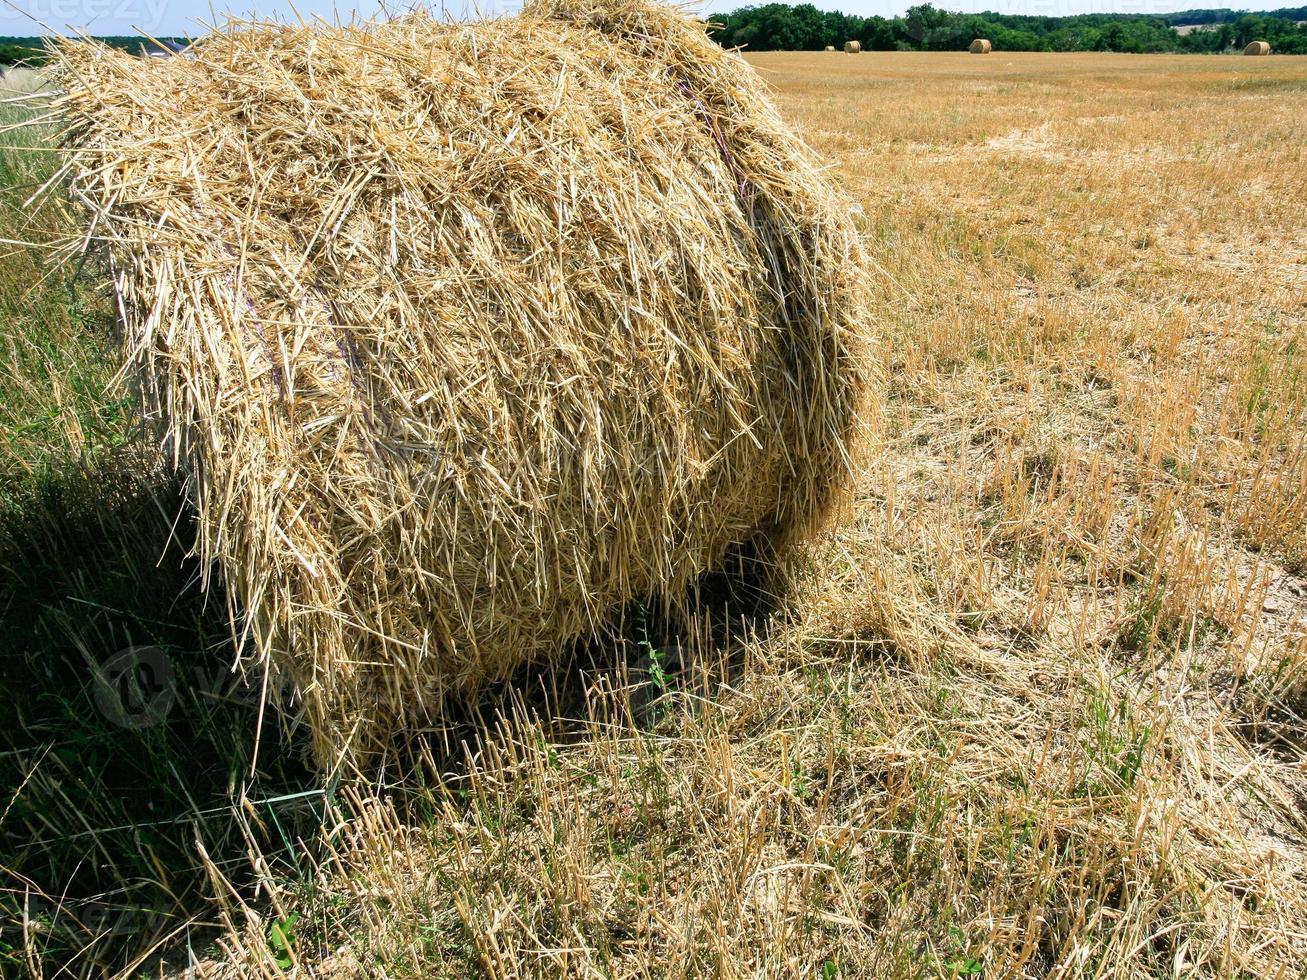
[1036, 708]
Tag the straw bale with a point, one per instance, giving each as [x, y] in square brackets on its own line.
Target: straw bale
[852, 47]
[465, 335]
[980, 46]
[1257, 48]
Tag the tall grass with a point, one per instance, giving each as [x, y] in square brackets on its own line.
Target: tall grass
[109, 776]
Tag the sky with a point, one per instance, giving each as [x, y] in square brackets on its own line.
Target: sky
[174, 17]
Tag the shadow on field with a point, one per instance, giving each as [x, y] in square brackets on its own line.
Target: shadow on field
[129, 744]
[656, 658]
[129, 740]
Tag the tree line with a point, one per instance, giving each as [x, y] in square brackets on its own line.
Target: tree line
[802, 27]
[32, 50]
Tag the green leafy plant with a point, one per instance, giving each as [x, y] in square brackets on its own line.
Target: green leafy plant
[281, 940]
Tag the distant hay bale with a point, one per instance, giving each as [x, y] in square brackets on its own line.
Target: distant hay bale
[1257, 48]
[852, 47]
[467, 334]
[980, 46]
[830, 47]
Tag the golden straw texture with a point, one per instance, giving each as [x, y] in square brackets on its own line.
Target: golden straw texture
[467, 334]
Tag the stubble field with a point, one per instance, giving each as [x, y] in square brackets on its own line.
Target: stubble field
[1035, 706]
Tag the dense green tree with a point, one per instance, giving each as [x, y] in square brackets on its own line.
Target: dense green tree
[12, 54]
[878, 34]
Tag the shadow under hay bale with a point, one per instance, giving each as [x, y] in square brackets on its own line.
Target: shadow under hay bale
[653, 658]
[464, 350]
[128, 740]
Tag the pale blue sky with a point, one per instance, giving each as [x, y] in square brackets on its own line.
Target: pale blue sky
[167, 17]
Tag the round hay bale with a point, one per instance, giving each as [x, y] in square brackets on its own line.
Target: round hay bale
[852, 47]
[830, 47]
[981, 46]
[463, 352]
[1257, 48]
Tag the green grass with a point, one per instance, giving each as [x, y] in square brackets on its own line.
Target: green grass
[104, 797]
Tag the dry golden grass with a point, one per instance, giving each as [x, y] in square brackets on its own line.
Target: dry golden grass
[1037, 708]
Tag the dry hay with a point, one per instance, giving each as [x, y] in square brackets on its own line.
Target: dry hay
[467, 334]
[980, 46]
[1257, 48]
[830, 47]
[852, 47]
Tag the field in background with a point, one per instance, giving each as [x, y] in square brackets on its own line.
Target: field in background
[1036, 707]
